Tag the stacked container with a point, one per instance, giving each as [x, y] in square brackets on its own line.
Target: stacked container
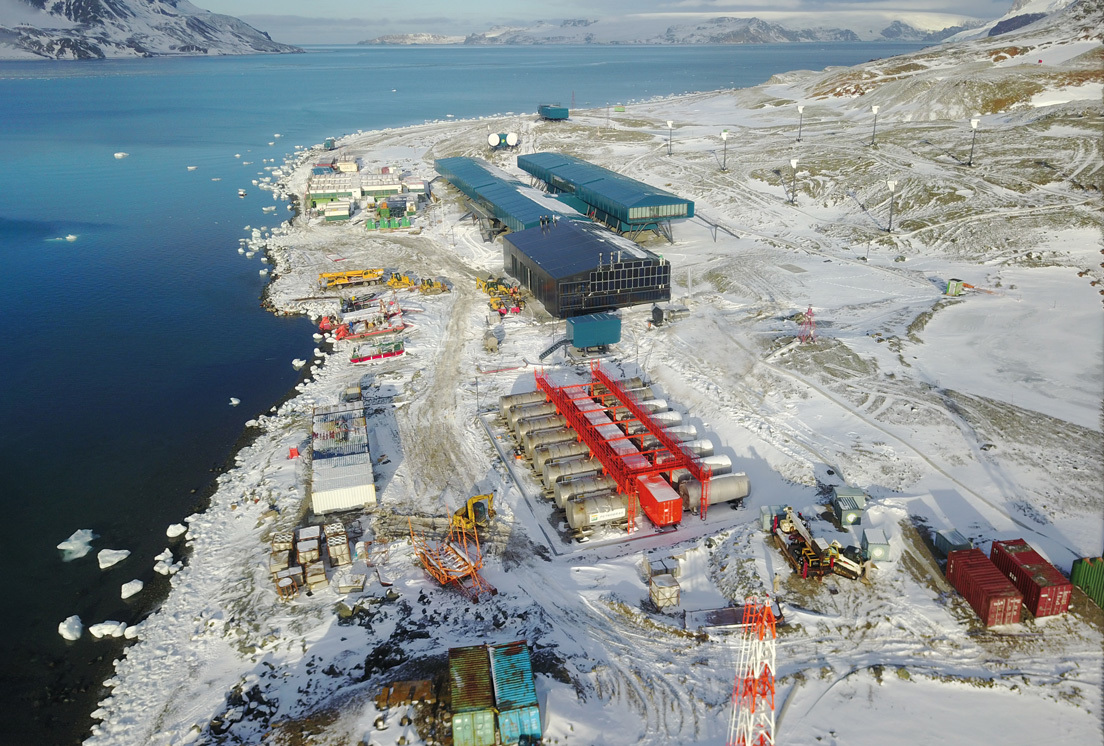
[472, 697]
[515, 693]
[984, 587]
[1045, 590]
[1088, 575]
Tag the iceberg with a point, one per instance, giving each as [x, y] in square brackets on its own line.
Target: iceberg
[174, 531]
[108, 629]
[121, 155]
[109, 557]
[77, 545]
[71, 629]
[131, 588]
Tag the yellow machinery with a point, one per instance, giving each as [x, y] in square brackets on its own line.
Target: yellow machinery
[347, 279]
[432, 287]
[399, 281]
[494, 286]
[476, 514]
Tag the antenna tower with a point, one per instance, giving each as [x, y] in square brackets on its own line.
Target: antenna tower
[752, 721]
[808, 326]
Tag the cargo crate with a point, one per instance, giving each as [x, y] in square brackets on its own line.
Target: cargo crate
[1046, 591]
[991, 595]
[1088, 575]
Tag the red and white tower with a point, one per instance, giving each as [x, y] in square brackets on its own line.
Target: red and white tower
[752, 721]
[808, 326]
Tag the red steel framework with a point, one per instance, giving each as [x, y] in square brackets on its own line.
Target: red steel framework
[752, 721]
[671, 455]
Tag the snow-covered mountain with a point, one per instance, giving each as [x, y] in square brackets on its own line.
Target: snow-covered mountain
[95, 29]
[1022, 13]
[719, 30]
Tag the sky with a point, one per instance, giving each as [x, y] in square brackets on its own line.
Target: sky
[349, 21]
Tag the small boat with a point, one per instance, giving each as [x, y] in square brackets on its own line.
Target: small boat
[378, 351]
[121, 155]
[71, 237]
[241, 192]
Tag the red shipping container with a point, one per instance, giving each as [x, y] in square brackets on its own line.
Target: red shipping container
[660, 502]
[1046, 591]
[984, 587]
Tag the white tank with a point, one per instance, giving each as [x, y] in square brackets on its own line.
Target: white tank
[699, 447]
[557, 471]
[650, 405]
[607, 399]
[538, 438]
[529, 424]
[512, 139]
[512, 400]
[718, 465]
[626, 383]
[493, 140]
[683, 433]
[596, 511]
[544, 454]
[669, 418]
[722, 489]
[536, 409]
[564, 491]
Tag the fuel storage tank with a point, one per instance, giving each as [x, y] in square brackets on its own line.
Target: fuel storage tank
[537, 438]
[557, 471]
[513, 400]
[722, 489]
[596, 511]
[558, 451]
[585, 485]
[718, 465]
[543, 422]
[528, 411]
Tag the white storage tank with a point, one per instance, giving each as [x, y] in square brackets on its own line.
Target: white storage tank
[565, 491]
[649, 405]
[545, 422]
[537, 438]
[699, 447]
[718, 465]
[557, 471]
[512, 400]
[528, 411]
[596, 511]
[722, 489]
[556, 451]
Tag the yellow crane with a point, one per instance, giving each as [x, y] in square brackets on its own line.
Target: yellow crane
[347, 279]
[476, 513]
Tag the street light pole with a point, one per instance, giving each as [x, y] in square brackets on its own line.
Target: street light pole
[892, 193]
[973, 126]
[800, 121]
[724, 159]
[670, 134]
[875, 132]
[793, 182]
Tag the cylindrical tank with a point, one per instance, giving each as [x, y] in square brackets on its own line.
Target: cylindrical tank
[669, 418]
[556, 471]
[649, 405]
[596, 511]
[570, 448]
[529, 424]
[537, 438]
[510, 400]
[718, 465]
[512, 139]
[525, 411]
[699, 447]
[722, 489]
[641, 393]
[564, 491]
[626, 383]
[683, 433]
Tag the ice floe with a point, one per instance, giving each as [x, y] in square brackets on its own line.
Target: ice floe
[77, 545]
[71, 628]
[109, 557]
[132, 588]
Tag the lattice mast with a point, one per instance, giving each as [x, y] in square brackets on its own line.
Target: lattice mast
[752, 722]
[808, 326]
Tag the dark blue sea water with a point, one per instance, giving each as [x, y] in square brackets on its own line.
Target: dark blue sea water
[121, 349]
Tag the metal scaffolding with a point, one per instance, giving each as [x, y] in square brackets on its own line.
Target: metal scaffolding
[752, 722]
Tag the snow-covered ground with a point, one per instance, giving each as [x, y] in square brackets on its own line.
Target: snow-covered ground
[979, 412]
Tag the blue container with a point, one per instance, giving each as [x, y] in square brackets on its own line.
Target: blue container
[473, 728]
[594, 330]
[553, 111]
[847, 510]
[513, 725]
[949, 540]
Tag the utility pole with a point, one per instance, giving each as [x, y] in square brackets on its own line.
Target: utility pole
[670, 134]
[892, 193]
[724, 159]
[973, 126]
[875, 132]
[800, 120]
[793, 181]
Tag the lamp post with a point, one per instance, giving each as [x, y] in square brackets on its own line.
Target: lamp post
[892, 193]
[875, 132]
[800, 121]
[670, 134]
[973, 126]
[724, 158]
[793, 181]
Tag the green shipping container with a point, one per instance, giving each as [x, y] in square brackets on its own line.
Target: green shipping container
[473, 728]
[1088, 575]
[370, 224]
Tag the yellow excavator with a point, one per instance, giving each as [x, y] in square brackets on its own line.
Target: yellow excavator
[432, 287]
[494, 286]
[476, 513]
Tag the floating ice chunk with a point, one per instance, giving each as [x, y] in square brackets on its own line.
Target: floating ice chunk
[71, 628]
[77, 545]
[249, 254]
[234, 401]
[131, 588]
[121, 155]
[130, 632]
[318, 337]
[263, 272]
[109, 557]
[237, 155]
[192, 168]
[217, 178]
[277, 135]
[71, 237]
[108, 629]
[298, 363]
[164, 562]
[241, 250]
[174, 531]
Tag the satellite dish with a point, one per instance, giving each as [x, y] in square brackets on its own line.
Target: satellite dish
[512, 139]
[492, 140]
